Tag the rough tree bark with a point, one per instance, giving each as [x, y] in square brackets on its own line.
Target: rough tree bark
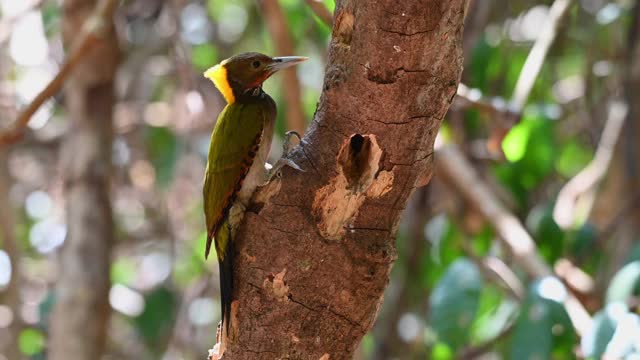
[316, 248]
[79, 323]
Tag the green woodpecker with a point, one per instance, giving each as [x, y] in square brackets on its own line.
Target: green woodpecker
[239, 148]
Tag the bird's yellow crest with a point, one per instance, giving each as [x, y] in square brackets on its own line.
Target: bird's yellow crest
[218, 74]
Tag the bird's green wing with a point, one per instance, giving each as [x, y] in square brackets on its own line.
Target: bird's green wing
[234, 143]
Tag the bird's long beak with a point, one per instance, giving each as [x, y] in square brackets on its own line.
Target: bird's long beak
[283, 62]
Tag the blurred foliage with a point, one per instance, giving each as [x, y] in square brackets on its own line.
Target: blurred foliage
[440, 303]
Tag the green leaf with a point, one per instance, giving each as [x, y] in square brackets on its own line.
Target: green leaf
[543, 329]
[546, 232]
[441, 351]
[163, 150]
[122, 271]
[191, 264]
[573, 158]
[515, 143]
[204, 56]
[594, 344]
[155, 323]
[31, 342]
[454, 303]
[625, 283]
[493, 314]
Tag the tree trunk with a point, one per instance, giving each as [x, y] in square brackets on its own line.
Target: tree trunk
[81, 312]
[316, 247]
[618, 202]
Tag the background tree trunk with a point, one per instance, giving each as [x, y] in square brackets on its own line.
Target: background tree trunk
[618, 203]
[80, 317]
[315, 251]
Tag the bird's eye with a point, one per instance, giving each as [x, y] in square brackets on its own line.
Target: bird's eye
[256, 64]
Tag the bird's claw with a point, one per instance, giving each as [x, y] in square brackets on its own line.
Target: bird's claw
[287, 141]
[284, 160]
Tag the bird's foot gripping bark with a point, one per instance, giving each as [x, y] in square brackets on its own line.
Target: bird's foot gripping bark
[284, 160]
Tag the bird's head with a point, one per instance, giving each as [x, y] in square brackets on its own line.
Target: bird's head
[244, 72]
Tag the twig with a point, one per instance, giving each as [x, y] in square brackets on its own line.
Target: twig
[467, 97]
[90, 36]
[321, 11]
[512, 234]
[530, 71]
[478, 350]
[564, 212]
[574, 277]
[538, 53]
[277, 25]
[508, 278]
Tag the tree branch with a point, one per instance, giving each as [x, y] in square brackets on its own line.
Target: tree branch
[538, 54]
[514, 237]
[80, 316]
[277, 25]
[321, 11]
[315, 249]
[91, 32]
[566, 209]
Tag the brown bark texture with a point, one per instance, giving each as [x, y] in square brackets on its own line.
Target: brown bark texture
[316, 248]
[81, 312]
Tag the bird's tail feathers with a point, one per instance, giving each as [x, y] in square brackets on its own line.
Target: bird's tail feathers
[226, 274]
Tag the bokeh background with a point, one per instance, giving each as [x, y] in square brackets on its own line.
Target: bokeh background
[455, 291]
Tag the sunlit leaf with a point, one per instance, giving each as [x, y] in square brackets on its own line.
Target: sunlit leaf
[123, 270]
[573, 158]
[441, 351]
[31, 341]
[204, 56]
[494, 313]
[514, 144]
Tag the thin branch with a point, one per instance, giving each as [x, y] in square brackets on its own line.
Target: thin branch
[463, 178]
[565, 210]
[467, 97]
[91, 33]
[476, 351]
[321, 11]
[538, 54]
[277, 25]
[496, 271]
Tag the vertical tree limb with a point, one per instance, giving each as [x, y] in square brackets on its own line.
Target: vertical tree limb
[316, 247]
[621, 183]
[277, 25]
[9, 244]
[80, 316]
[321, 11]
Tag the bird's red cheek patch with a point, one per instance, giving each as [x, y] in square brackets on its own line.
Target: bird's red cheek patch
[359, 176]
